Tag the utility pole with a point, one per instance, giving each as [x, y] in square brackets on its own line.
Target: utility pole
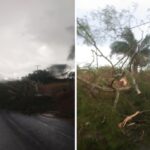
[37, 67]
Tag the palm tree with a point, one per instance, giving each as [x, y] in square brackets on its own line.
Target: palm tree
[138, 52]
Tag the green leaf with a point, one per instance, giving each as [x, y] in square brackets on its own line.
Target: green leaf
[146, 42]
[119, 47]
[128, 36]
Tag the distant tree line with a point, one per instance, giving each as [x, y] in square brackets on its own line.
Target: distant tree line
[52, 74]
[42, 76]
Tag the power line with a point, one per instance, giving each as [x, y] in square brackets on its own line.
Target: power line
[144, 23]
[140, 25]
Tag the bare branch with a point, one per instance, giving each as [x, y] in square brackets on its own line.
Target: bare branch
[101, 88]
[120, 60]
[134, 81]
[124, 62]
[128, 119]
[92, 59]
[93, 43]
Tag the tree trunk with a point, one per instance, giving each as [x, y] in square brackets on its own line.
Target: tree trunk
[134, 70]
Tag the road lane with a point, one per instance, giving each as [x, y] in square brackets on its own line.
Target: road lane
[8, 139]
[34, 132]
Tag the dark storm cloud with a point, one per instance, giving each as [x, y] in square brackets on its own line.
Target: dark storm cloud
[34, 32]
[50, 26]
[71, 55]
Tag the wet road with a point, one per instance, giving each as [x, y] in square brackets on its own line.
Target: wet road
[21, 132]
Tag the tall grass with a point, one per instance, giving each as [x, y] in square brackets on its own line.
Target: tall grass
[98, 120]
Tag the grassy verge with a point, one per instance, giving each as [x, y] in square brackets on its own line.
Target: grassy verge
[98, 120]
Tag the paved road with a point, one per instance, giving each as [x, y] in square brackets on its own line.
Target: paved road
[21, 132]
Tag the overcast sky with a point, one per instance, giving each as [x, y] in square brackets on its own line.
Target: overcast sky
[34, 32]
[83, 7]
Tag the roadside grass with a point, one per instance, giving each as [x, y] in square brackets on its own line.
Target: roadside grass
[98, 120]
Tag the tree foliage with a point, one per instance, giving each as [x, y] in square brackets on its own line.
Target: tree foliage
[106, 24]
[137, 51]
[111, 26]
[41, 76]
[96, 94]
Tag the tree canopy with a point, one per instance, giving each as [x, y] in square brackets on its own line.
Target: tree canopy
[136, 51]
[42, 76]
[107, 26]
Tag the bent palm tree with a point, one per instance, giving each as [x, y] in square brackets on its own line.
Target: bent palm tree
[138, 52]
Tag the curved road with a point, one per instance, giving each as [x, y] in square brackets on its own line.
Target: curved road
[21, 132]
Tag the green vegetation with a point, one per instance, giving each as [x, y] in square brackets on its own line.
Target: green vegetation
[112, 114]
[42, 76]
[39, 92]
[25, 96]
[128, 47]
[21, 96]
[98, 120]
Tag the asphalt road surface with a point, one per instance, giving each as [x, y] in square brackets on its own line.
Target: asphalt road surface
[21, 132]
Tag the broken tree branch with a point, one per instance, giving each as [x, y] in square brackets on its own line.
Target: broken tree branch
[101, 88]
[128, 119]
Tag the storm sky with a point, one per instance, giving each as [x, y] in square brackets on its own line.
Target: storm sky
[34, 32]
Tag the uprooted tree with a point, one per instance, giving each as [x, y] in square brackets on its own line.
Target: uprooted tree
[105, 26]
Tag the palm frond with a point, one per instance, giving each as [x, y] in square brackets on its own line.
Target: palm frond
[119, 47]
[146, 42]
[142, 59]
[145, 52]
[128, 36]
[84, 31]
